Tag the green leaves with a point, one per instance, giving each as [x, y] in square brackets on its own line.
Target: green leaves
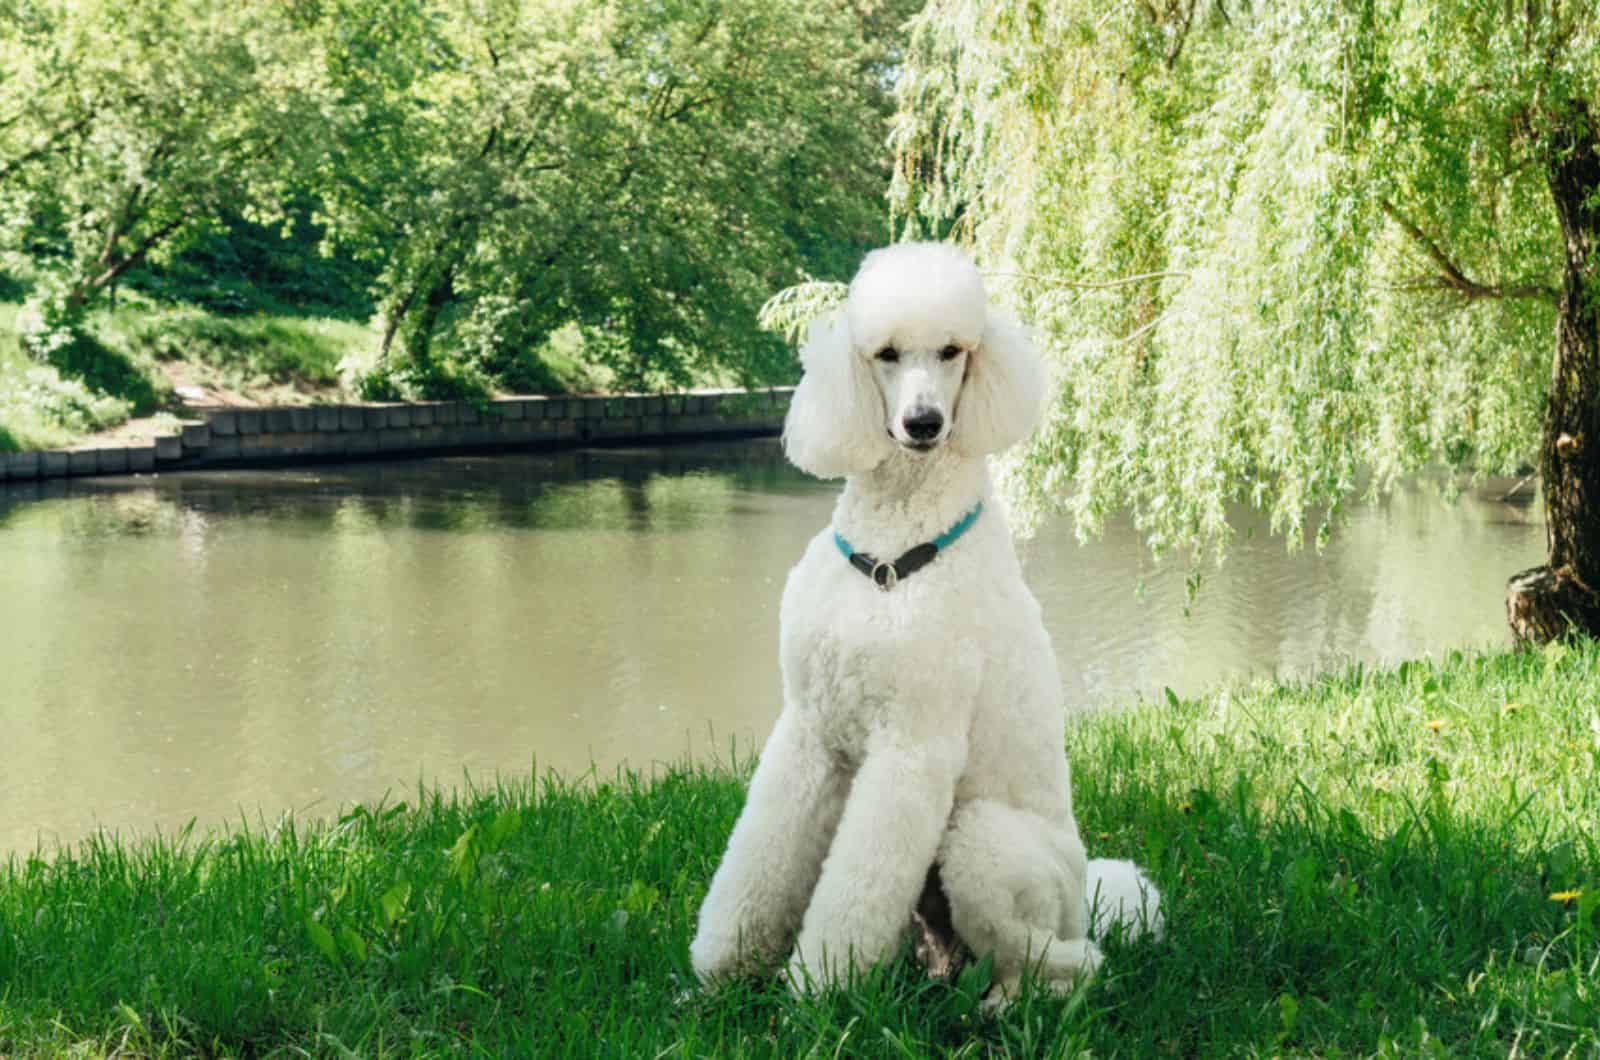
[477, 842]
[322, 939]
[392, 904]
[134, 126]
[792, 309]
[645, 173]
[642, 174]
[1280, 253]
[464, 854]
[352, 945]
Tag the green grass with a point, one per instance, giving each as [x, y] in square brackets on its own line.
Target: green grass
[114, 372]
[40, 408]
[245, 351]
[1360, 865]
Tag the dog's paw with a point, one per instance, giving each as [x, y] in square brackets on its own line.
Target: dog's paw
[1001, 995]
[1059, 974]
[803, 976]
[714, 958]
[1092, 959]
[795, 977]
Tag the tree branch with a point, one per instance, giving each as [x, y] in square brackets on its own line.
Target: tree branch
[80, 294]
[49, 146]
[1450, 276]
[1102, 285]
[1183, 35]
[691, 105]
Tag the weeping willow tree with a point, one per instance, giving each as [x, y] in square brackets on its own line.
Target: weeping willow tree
[1283, 252]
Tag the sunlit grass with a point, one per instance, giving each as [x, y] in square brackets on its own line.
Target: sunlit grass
[1342, 878]
[118, 374]
[246, 352]
[41, 409]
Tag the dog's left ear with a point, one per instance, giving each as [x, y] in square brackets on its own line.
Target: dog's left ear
[1003, 392]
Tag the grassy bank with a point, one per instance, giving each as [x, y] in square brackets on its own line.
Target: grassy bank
[132, 359]
[1400, 863]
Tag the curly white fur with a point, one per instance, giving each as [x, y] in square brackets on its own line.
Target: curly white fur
[923, 724]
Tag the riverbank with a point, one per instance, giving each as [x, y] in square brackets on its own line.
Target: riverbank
[146, 370]
[1399, 863]
[279, 436]
[141, 366]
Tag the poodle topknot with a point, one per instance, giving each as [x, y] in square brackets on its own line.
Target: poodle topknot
[916, 294]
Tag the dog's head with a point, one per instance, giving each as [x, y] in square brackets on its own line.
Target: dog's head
[915, 361]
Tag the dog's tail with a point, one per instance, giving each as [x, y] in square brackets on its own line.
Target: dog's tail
[1120, 895]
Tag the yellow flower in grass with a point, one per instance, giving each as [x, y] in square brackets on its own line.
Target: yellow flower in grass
[1434, 723]
[1510, 708]
[1566, 897]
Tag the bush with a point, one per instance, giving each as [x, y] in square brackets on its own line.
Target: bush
[240, 267]
[433, 381]
[381, 384]
[443, 381]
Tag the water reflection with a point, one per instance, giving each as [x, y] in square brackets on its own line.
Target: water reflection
[209, 644]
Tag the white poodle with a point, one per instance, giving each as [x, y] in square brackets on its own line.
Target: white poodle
[922, 722]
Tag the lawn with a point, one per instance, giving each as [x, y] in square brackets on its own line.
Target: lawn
[1394, 863]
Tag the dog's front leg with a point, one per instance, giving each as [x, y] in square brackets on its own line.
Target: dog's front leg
[879, 860]
[760, 890]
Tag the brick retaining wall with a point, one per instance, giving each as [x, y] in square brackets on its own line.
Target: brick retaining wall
[246, 437]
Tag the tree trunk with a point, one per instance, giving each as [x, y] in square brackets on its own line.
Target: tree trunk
[393, 316]
[419, 338]
[1563, 595]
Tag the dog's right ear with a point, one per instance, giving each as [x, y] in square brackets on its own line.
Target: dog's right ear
[835, 424]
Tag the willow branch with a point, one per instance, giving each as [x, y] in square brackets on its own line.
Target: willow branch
[1101, 285]
[1140, 331]
[1450, 276]
[1183, 35]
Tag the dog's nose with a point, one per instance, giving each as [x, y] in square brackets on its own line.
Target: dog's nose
[923, 425]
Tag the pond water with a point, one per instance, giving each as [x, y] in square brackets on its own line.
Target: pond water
[237, 644]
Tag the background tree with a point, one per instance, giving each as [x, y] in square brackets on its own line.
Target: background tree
[647, 172]
[1284, 251]
[490, 172]
[130, 127]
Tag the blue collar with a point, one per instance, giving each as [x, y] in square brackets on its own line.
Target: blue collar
[885, 574]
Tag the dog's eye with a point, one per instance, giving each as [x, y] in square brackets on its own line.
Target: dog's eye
[889, 353]
[950, 353]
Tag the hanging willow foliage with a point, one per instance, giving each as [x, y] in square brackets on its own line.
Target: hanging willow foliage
[1281, 253]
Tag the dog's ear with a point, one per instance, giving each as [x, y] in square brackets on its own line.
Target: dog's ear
[835, 422]
[1002, 394]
